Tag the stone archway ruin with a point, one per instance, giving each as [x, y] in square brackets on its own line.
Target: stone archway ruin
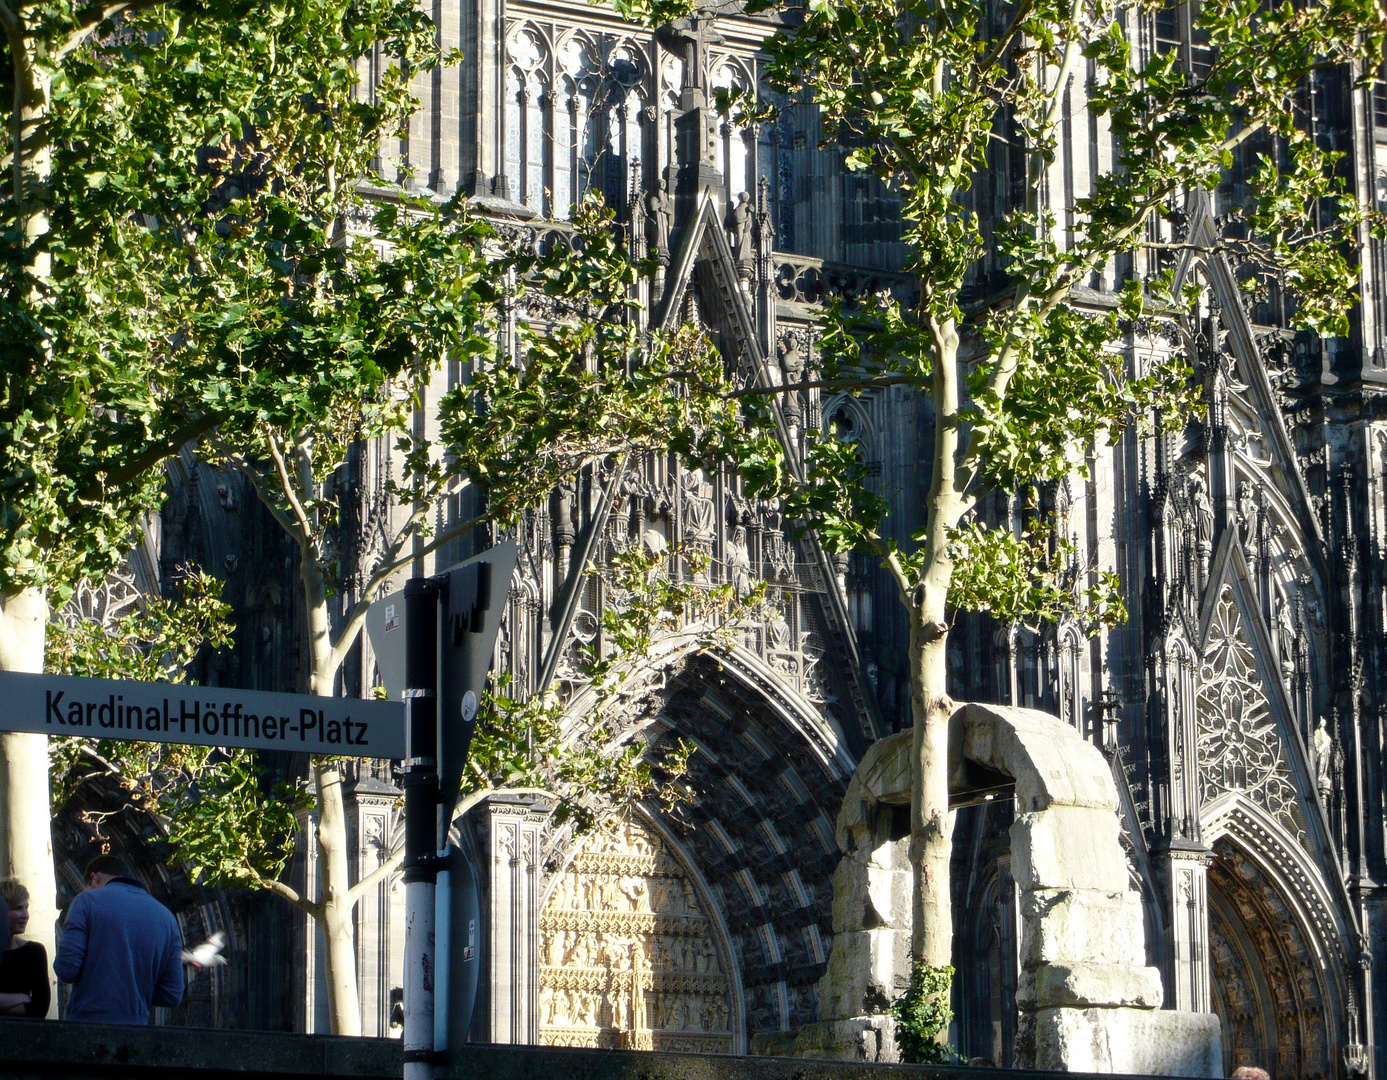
[1088, 1001]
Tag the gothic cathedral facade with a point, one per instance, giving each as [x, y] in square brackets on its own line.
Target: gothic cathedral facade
[1241, 706]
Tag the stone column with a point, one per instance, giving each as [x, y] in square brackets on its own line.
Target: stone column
[481, 117]
[512, 825]
[1186, 868]
[370, 812]
[869, 966]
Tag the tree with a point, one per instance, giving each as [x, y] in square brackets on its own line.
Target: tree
[294, 339]
[82, 340]
[178, 177]
[313, 309]
[920, 93]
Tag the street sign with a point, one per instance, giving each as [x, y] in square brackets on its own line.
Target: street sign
[200, 715]
[385, 627]
[472, 602]
[442, 655]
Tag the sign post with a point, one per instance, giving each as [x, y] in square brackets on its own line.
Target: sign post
[436, 637]
[421, 822]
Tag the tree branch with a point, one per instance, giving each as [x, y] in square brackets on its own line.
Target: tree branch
[257, 480]
[151, 455]
[891, 558]
[93, 16]
[998, 50]
[375, 877]
[308, 907]
[351, 626]
[303, 528]
[467, 802]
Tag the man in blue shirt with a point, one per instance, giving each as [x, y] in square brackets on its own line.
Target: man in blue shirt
[121, 949]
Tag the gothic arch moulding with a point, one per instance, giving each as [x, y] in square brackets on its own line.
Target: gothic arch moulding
[1277, 947]
[768, 775]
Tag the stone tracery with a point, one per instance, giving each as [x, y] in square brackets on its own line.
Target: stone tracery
[1239, 746]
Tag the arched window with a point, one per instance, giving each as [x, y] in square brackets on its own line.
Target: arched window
[529, 108]
[735, 153]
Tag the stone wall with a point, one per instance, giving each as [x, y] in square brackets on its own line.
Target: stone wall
[65, 1051]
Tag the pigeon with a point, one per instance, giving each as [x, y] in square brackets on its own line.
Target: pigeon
[208, 954]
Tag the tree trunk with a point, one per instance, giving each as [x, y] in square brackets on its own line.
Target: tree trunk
[26, 835]
[334, 881]
[931, 824]
[334, 898]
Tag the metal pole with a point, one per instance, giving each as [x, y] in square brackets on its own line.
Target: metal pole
[421, 822]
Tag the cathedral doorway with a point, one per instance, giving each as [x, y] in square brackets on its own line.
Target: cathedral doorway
[629, 955]
[1268, 982]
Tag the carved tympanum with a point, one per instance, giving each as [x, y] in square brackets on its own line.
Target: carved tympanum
[628, 957]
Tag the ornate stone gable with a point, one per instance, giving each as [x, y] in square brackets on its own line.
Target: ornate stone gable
[629, 957]
[1240, 746]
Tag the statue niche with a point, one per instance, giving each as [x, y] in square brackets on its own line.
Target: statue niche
[628, 957]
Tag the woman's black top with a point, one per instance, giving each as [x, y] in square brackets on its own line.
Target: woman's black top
[25, 971]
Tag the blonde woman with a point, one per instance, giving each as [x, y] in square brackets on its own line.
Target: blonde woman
[24, 989]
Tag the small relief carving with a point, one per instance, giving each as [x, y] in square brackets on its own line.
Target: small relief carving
[815, 683]
[1247, 511]
[739, 223]
[505, 843]
[700, 515]
[1203, 509]
[1285, 639]
[739, 563]
[1324, 759]
[660, 208]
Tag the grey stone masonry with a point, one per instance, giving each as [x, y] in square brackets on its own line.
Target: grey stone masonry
[1086, 996]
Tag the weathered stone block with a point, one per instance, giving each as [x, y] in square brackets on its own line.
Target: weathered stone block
[1066, 925]
[1086, 984]
[856, 1038]
[1154, 1042]
[772, 1043]
[867, 970]
[1050, 761]
[868, 897]
[883, 776]
[1068, 847]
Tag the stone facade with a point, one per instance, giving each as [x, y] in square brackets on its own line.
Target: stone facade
[1239, 710]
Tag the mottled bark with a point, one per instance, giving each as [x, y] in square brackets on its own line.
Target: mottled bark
[335, 903]
[931, 827]
[26, 837]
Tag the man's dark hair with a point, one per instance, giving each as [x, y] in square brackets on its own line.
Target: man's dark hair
[108, 864]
